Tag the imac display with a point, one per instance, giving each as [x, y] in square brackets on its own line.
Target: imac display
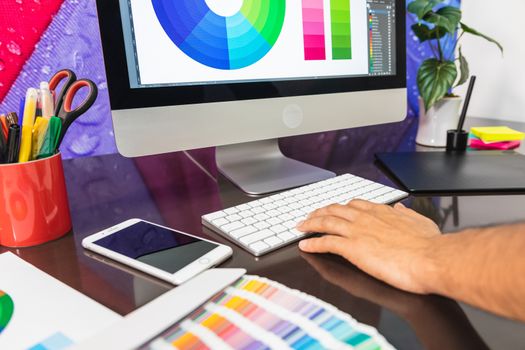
[186, 74]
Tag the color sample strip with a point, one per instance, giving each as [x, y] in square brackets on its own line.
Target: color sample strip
[341, 29]
[370, 41]
[256, 313]
[6, 310]
[57, 341]
[313, 30]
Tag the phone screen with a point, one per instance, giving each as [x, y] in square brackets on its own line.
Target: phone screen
[164, 249]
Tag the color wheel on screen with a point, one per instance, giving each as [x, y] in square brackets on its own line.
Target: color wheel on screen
[6, 310]
[235, 38]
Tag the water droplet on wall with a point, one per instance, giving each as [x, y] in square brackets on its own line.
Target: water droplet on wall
[14, 48]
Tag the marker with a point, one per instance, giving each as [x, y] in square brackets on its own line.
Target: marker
[3, 148]
[48, 107]
[50, 143]
[11, 118]
[21, 110]
[27, 125]
[13, 143]
[3, 125]
[39, 133]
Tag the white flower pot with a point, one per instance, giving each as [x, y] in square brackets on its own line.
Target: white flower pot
[434, 123]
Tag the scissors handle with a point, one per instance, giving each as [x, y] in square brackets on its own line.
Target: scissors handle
[69, 115]
[70, 77]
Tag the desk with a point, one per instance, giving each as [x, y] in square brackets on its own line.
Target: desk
[173, 190]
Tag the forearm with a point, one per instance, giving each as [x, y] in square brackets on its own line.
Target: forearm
[483, 267]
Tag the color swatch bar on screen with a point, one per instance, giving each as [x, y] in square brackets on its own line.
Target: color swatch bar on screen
[341, 29]
[313, 30]
[371, 42]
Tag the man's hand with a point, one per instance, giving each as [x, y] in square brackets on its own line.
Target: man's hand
[389, 243]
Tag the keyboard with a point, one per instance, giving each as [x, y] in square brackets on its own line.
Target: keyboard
[266, 224]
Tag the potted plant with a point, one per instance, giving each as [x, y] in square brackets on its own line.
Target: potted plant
[439, 75]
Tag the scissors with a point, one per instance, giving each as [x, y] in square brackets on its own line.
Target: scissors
[66, 95]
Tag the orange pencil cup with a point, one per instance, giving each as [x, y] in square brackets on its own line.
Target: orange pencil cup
[34, 208]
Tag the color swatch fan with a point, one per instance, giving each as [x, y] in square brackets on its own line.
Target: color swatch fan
[229, 39]
[6, 310]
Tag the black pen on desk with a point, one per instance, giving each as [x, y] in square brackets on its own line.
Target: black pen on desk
[13, 143]
[466, 104]
[457, 139]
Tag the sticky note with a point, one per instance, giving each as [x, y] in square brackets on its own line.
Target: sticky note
[497, 133]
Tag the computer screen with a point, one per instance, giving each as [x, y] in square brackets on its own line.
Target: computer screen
[177, 43]
[186, 74]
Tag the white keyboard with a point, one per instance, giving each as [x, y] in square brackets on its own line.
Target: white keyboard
[267, 224]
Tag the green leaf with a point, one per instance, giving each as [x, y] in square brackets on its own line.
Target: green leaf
[472, 31]
[421, 7]
[447, 17]
[424, 33]
[434, 79]
[463, 68]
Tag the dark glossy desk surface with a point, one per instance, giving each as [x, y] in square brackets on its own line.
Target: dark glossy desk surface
[172, 190]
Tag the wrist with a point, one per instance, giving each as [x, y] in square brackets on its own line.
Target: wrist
[431, 266]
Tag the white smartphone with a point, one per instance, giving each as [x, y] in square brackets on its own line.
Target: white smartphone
[170, 255]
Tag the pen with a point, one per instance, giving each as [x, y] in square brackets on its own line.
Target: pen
[466, 104]
[13, 143]
[50, 140]
[11, 118]
[21, 111]
[39, 133]
[48, 107]
[27, 125]
[3, 148]
[4, 127]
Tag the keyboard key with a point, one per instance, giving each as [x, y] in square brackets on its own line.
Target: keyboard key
[259, 247]
[233, 217]
[243, 207]
[278, 228]
[261, 217]
[269, 206]
[257, 236]
[290, 224]
[273, 241]
[243, 231]
[231, 227]
[255, 204]
[286, 236]
[246, 214]
[273, 213]
[213, 216]
[220, 222]
[231, 211]
[262, 225]
[258, 210]
[285, 217]
[284, 209]
[297, 233]
[248, 221]
[274, 221]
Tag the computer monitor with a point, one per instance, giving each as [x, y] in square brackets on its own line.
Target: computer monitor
[238, 74]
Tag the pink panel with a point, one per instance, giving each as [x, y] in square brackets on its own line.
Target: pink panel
[313, 30]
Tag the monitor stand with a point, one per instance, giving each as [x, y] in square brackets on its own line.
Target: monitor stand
[260, 167]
